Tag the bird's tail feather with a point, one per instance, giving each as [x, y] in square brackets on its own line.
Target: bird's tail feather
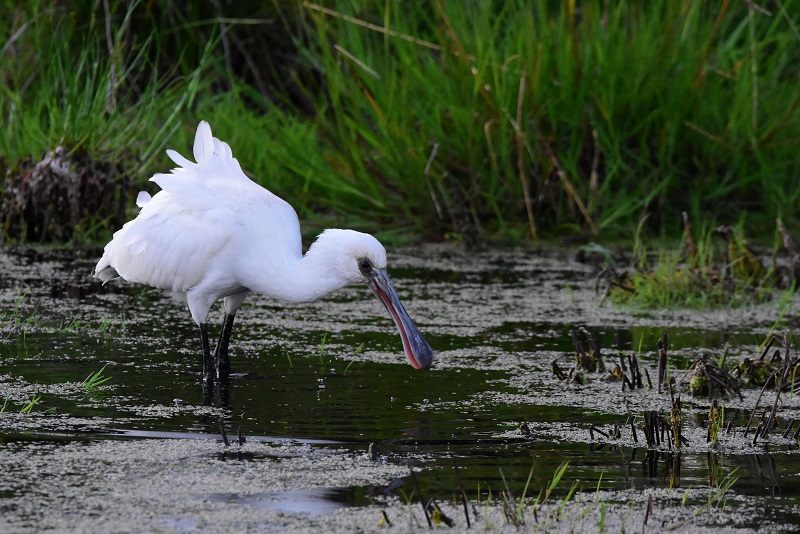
[214, 160]
[106, 274]
[203, 143]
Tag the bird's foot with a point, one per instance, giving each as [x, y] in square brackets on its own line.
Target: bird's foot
[223, 362]
[209, 375]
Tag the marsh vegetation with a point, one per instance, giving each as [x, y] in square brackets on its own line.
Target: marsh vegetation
[493, 121]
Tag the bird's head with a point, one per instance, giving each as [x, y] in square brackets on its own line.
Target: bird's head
[360, 257]
[352, 254]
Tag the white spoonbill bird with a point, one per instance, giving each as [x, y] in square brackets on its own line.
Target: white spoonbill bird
[213, 233]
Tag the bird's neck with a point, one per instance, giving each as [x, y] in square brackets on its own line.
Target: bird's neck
[299, 278]
[317, 276]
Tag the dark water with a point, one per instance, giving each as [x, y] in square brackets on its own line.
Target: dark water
[290, 384]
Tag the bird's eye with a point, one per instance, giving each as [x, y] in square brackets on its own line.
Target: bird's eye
[365, 265]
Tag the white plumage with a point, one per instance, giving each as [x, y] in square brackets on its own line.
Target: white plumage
[213, 233]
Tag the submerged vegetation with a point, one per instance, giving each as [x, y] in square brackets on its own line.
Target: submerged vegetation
[718, 380]
[492, 120]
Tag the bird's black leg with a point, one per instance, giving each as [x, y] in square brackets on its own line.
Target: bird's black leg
[208, 363]
[221, 356]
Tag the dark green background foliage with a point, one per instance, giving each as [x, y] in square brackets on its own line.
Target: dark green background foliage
[470, 119]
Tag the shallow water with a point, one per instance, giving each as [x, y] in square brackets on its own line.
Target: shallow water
[328, 380]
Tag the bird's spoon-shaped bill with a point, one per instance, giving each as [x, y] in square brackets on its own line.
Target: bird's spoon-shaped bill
[418, 352]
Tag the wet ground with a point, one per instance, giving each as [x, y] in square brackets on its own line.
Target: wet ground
[340, 434]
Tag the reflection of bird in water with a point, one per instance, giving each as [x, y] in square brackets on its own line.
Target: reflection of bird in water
[212, 233]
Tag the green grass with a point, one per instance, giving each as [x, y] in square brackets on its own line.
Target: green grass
[518, 97]
[717, 495]
[19, 319]
[671, 284]
[82, 326]
[22, 319]
[717, 274]
[321, 351]
[499, 120]
[69, 84]
[95, 380]
[28, 408]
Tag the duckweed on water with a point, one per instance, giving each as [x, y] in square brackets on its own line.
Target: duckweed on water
[497, 327]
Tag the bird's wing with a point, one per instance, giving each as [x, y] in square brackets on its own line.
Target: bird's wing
[165, 246]
[180, 233]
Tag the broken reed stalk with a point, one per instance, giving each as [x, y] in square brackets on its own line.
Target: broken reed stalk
[580, 354]
[621, 368]
[594, 345]
[758, 400]
[438, 515]
[662, 360]
[626, 380]
[658, 430]
[674, 469]
[779, 386]
[715, 422]
[635, 371]
[794, 383]
[768, 346]
[462, 492]
[576, 344]
[385, 518]
[677, 420]
[588, 356]
[708, 381]
[598, 357]
[630, 421]
[666, 431]
[781, 378]
[651, 428]
[221, 423]
[758, 431]
[509, 509]
[789, 426]
[715, 377]
[558, 372]
[633, 431]
[421, 499]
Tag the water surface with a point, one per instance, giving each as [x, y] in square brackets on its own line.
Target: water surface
[327, 382]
